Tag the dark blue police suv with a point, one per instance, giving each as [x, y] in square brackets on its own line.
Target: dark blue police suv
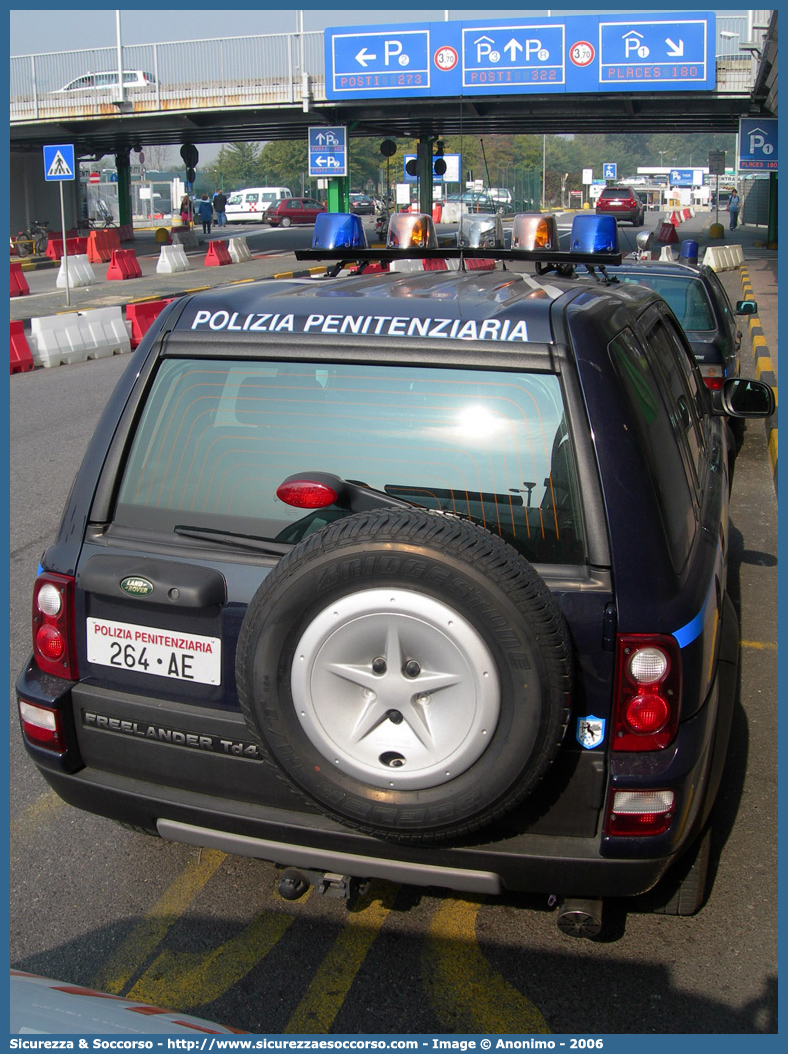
[417, 574]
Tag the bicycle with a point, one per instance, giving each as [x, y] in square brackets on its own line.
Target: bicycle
[33, 239]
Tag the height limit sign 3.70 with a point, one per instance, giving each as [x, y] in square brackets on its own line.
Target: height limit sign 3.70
[327, 151]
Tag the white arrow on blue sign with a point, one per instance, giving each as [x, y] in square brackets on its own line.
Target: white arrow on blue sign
[59, 162]
[394, 58]
[327, 151]
[641, 51]
[609, 170]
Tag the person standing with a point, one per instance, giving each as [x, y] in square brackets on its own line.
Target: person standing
[186, 211]
[219, 205]
[205, 210]
[734, 204]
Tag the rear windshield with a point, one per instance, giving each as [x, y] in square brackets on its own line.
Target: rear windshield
[616, 192]
[217, 438]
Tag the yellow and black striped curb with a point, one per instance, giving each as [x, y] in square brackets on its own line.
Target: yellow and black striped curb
[764, 369]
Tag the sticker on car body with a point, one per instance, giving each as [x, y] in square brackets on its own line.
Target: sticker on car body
[590, 731]
[151, 650]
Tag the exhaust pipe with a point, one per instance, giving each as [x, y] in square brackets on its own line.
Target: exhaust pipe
[580, 917]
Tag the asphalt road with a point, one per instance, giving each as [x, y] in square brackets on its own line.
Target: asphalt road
[202, 932]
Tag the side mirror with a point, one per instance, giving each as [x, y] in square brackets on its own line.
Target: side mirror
[746, 307]
[745, 398]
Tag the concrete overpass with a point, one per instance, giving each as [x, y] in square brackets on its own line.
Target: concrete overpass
[275, 87]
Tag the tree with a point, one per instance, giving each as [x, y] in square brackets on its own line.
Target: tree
[236, 166]
[158, 158]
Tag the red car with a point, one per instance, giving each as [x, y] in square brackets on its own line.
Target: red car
[294, 210]
[621, 202]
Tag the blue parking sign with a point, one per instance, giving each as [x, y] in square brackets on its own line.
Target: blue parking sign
[609, 170]
[327, 151]
[758, 144]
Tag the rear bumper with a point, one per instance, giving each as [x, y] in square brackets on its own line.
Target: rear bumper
[258, 815]
[523, 863]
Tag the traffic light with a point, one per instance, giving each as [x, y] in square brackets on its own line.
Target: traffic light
[411, 167]
[190, 155]
[438, 164]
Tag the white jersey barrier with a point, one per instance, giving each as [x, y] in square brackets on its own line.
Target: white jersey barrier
[58, 340]
[723, 257]
[172, 259]
[239, 250]
[80, 272]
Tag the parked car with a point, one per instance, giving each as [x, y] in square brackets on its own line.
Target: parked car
[476, 201]
[351, 579]
[362, 205]
[503, 197]
[41, 1005]
[293, 210]
[250, 204]
[109, 79]
[621, 202]
[699, 301]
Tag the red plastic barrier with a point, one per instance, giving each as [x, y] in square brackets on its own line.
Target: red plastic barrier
[141, 317]
[667, 234]
[123, 264]
[76, 246]
[99, 250]
[437, 212]
[19, 286]
[218, 254]
[21, 357]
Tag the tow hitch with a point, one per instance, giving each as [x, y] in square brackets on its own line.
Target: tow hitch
[295, 881]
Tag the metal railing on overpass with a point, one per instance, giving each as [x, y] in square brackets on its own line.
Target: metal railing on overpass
[241, 72]
[187, 75]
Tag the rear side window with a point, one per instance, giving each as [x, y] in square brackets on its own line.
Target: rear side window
[217, 438]
[662, 393]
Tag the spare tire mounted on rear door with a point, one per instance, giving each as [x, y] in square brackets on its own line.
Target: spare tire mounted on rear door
[408, 671]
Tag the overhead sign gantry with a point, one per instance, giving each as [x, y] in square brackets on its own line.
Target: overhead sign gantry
[575, 54]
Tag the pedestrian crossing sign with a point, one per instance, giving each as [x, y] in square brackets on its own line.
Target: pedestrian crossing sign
[59, 162]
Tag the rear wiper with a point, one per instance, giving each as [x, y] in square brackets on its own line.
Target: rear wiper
[238, 541]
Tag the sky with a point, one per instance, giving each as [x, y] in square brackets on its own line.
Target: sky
[62, 29]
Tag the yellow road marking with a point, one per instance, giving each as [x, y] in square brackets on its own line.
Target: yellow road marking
[327, 991]
[466, 993]
[191, 979]
[760, 645]
[127, 960]
[42, 811]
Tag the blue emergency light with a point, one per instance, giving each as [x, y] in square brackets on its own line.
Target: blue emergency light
[594, 234]
[338, 230]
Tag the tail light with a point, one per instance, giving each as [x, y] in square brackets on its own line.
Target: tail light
[648, 692]
[713, 377]
[633, 812]
[42, 727]
[53, 625]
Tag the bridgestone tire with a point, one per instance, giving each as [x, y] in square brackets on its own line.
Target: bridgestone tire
[408, 672]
